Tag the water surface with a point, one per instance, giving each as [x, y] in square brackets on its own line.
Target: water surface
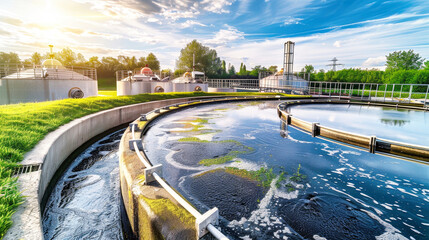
[409, 126]
[346, 194]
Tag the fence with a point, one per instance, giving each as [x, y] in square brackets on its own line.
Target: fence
[22, 71]
[233, 83]
[409, 93]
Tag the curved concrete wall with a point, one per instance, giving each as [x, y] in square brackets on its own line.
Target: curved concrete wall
[138, 87]
[55, 148]
[373, 144]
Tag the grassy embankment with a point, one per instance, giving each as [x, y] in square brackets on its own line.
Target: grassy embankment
[22, 126]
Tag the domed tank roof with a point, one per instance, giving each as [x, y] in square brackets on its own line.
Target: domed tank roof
[187, 74]
[51, 63]
[146, 71]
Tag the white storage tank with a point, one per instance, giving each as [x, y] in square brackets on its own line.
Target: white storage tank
[145, 81]
[50, 81]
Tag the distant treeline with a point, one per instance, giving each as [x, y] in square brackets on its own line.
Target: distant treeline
[373, 76]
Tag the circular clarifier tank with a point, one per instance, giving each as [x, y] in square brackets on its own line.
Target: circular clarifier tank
[404, 125]
[232, 156]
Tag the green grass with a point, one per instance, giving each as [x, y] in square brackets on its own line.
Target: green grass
[22, 126]
[107, 93]
[107, 83]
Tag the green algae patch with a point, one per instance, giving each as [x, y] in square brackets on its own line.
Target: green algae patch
[264, 176]
[165, 209]
[192, 139]
[201, 121]
[218, 160]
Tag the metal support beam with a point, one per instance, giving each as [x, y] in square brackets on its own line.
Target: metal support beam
[372, 144]
[139, 144]
[149, 173]
[315, 129]
[202, 222]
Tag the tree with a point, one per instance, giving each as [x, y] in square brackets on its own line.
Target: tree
[142, 62]
[426, 65]
[152, 62]
[206, 59]
[243, 70]
[94, 62]
[223, 67]
[67, 57]
[36, 58]
[231, 70]
[81, 59]
[272, 69]
[308, 69]
[9, 57]
[403, 60]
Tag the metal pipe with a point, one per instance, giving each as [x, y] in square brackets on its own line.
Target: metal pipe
[411, 90]
[177, 197]
[426, 96]
[216, 233]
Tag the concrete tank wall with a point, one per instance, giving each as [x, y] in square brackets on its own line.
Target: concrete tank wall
[211, 89]
[133, 88]
[39, 90]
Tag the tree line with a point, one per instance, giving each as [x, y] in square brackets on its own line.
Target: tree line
[206, 60]
[106, 66]
[402, 67]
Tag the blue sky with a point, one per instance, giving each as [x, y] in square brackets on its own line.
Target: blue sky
[358, 33]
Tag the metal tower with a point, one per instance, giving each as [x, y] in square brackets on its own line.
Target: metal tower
[334, 64]
[288, 60]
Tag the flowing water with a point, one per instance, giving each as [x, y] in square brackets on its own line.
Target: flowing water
[85, 203]
[306, 188]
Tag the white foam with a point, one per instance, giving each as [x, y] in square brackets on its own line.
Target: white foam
[403, 191]
[339, 171]
[247, 165]
[386, 206]
[248, 136]
[388, 182]
[391, 232]
[317, 237]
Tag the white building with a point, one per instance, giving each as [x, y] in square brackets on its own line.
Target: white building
[50, 81]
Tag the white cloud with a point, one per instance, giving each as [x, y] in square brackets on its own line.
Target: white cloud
[190, 23]
[375, 62]
[292, 20]
[217, 6]
[225, 36]
[178, 14]
[337, 44]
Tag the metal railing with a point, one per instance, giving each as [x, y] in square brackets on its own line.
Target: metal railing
[204, 222]
[233, 83]
[408, 93]
[22, 71]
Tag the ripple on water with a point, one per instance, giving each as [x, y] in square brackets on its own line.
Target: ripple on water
[329, 216]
